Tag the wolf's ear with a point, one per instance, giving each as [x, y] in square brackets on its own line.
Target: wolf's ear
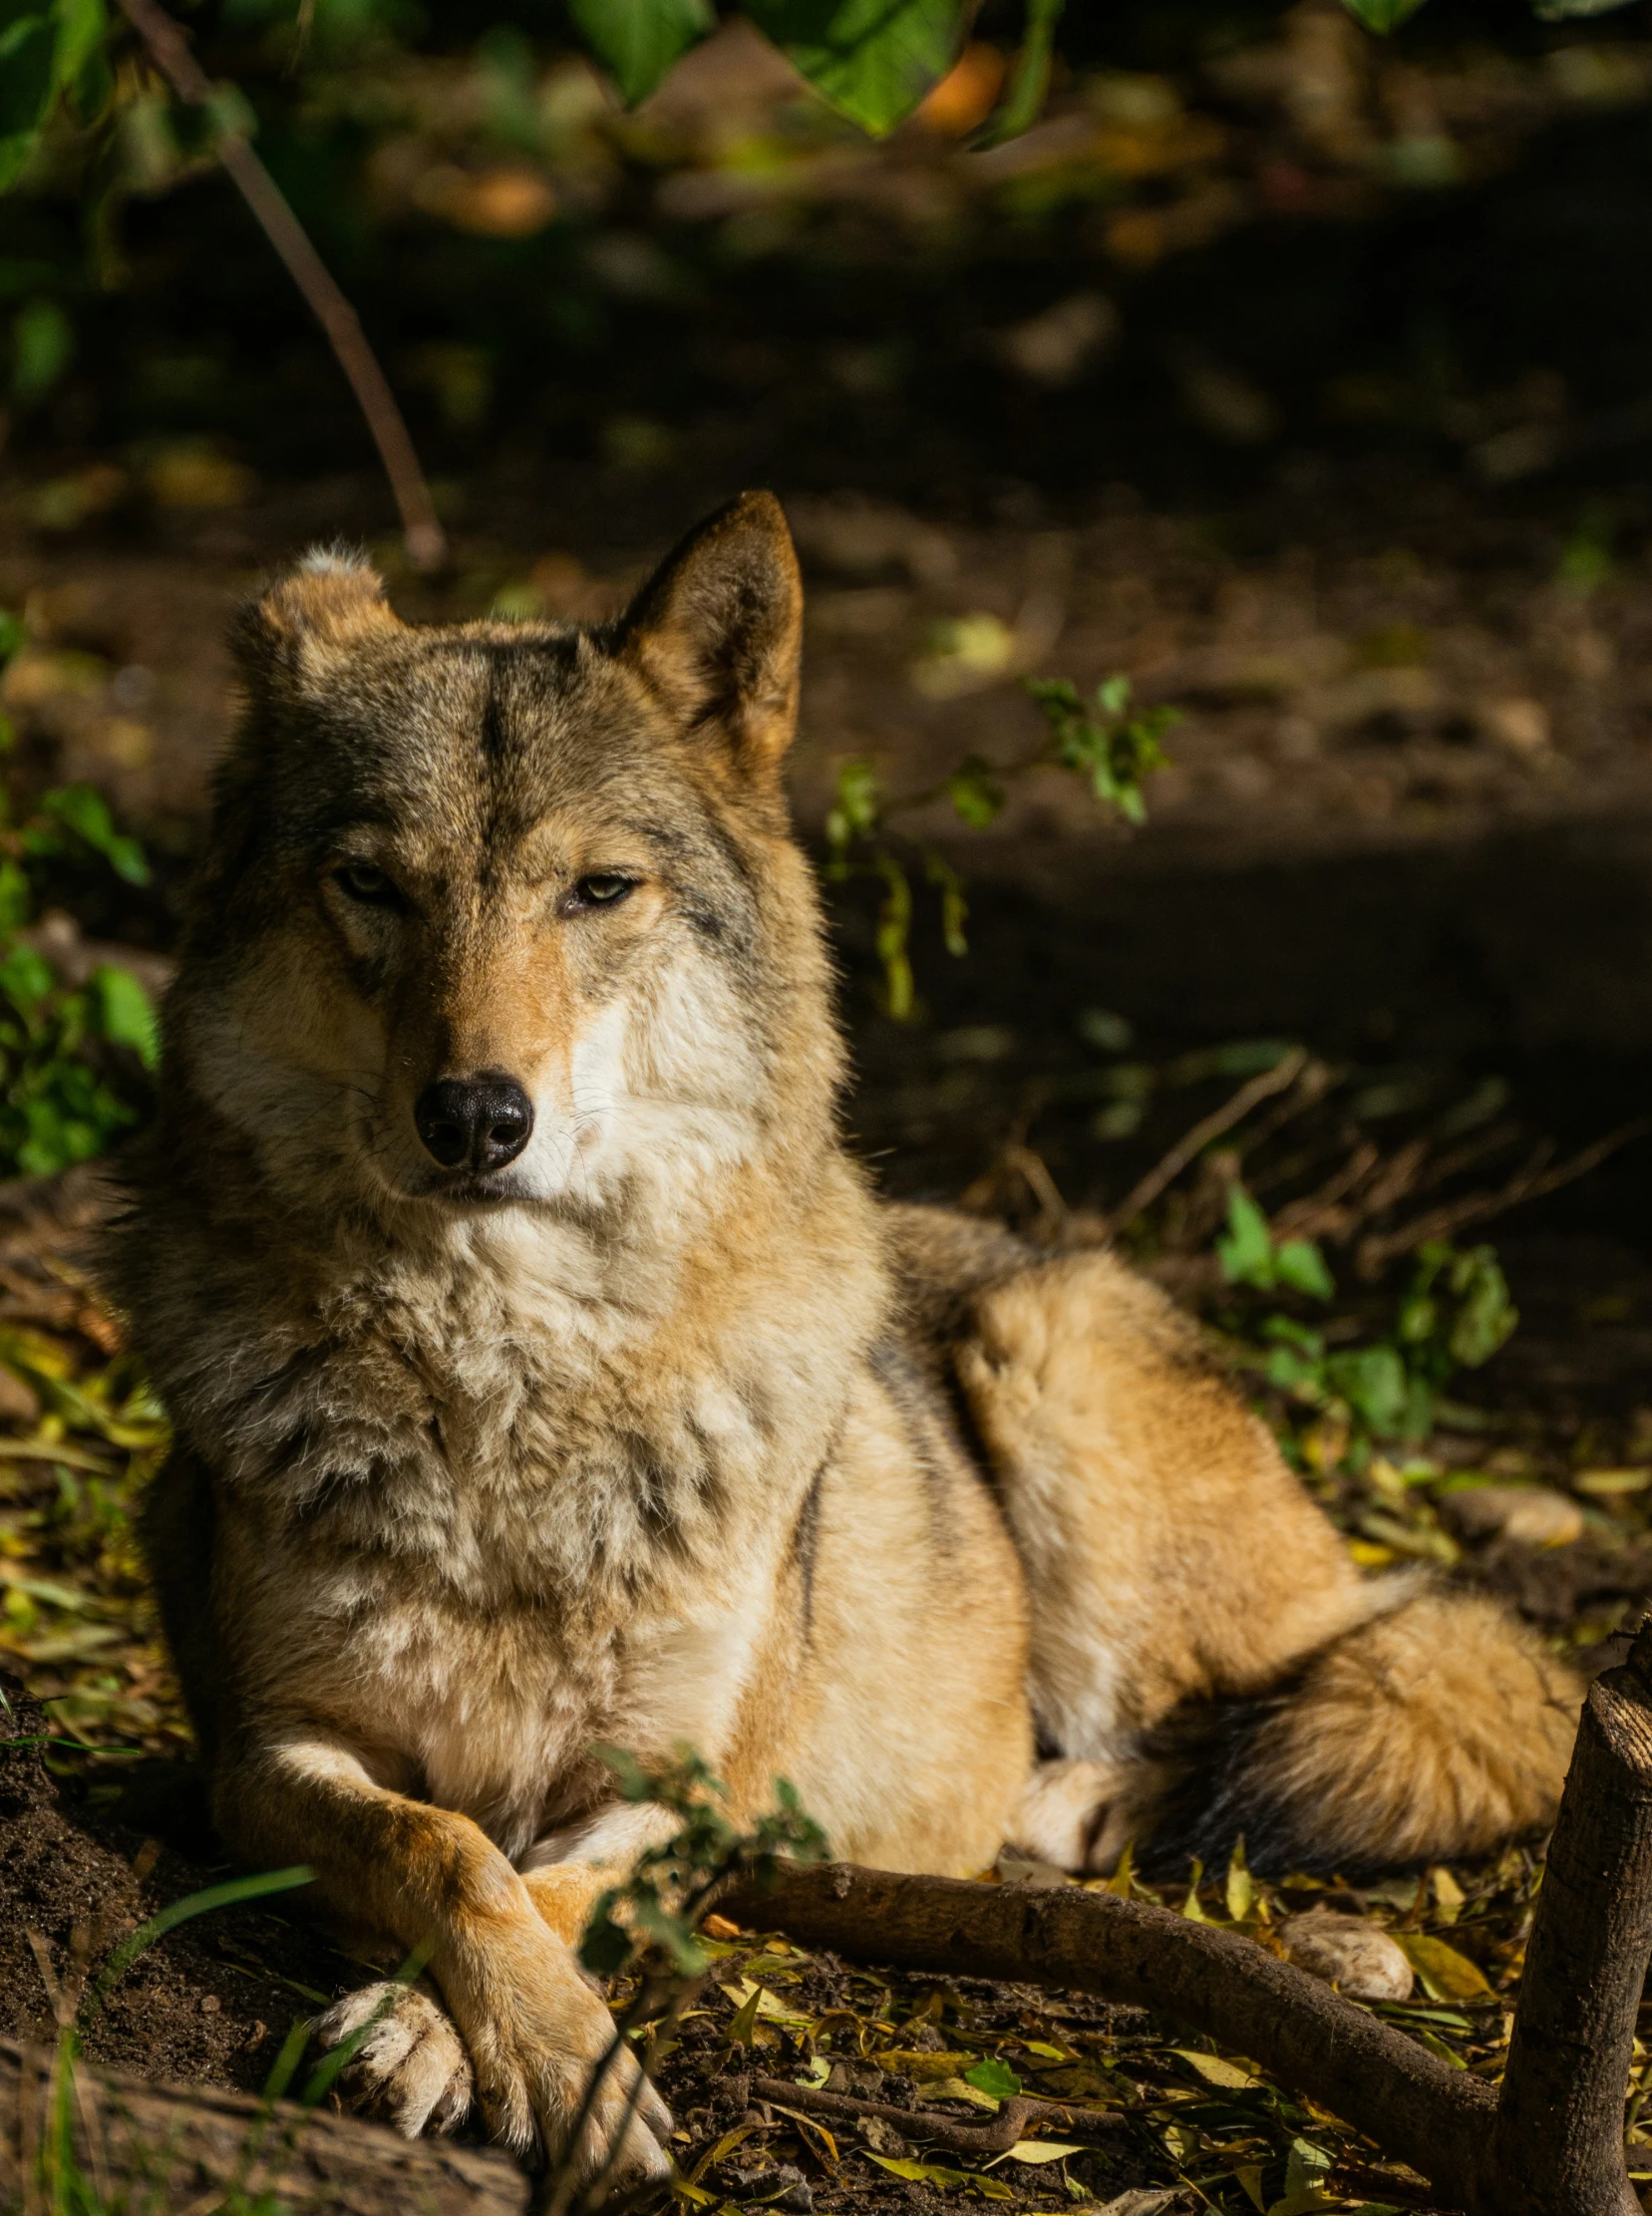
[718, 628]
[330, 600]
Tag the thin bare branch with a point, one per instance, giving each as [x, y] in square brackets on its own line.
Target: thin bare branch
[422, 535]
[1529, 1184]
[1279, 1078]
[1003, 2132]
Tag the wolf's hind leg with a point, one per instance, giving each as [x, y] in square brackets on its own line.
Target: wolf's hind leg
[411, 2070]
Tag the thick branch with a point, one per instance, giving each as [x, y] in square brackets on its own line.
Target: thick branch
[426, 542]
[1559, 2149]
[159, 2147]
[1431, 2116]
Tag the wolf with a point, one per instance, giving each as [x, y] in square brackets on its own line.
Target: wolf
[546, 1373]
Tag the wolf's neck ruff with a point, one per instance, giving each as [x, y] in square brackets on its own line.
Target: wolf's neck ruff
[508, 862]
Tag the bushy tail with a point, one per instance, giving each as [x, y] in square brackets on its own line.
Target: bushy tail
[1435, 1731]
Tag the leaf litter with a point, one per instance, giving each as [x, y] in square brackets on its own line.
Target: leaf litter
[1147, 2121]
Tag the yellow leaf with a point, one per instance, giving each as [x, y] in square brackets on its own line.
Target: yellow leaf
[1448, 1896]
[1241, 1886]
[1036, 2150]
[1215, 2071]
[1603, 1484]
[959, 2088]
[904, 2061]
[1250, 2183]
[743, 2031]
[1446, 1974]
[811, 2127]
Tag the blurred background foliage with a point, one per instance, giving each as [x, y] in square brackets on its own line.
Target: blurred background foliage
[1241, 222]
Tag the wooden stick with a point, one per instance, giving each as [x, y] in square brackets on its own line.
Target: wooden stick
[422, 535]
[1559, 2149]
[1549, 2143]
[171, 2145]
[1297, 2028]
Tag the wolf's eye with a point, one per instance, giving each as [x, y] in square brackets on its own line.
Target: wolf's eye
[605, 890]
[361, 881]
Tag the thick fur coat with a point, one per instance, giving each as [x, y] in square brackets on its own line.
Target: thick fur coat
[545, 1373]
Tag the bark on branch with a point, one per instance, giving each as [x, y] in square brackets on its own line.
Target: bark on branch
[163, 2146]
[1548, 2144]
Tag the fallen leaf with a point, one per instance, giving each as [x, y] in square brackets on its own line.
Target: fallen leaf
[1215, 2071]
[1446, 1974]
[905, 2061]
[990, 2076]
[932, 2173]
[1035, 2150]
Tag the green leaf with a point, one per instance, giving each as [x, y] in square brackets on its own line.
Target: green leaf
[126, 1014]
[1300, 1265]
[1030, 80]
[1382, 16]
[25, 978]
[974, 793]
[872, 60]
[28, 78]
[43, 345]
[86, 812]
[82, 29]
[990, 2076]
[1373, 1381]
[1246, 1252]
[638, 41]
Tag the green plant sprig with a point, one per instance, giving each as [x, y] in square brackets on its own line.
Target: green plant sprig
[1109, 744]
[74, 1063]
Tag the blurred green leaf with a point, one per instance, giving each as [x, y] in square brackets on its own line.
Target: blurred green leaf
[1382, 16]
[1299, 1265]
[85, 812]
[1246, 1251]
[638, 41]
[872, 60]
[43, 345]
[126, 1013]
[1028, 83]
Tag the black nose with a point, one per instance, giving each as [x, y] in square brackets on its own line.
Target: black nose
[477, 1123]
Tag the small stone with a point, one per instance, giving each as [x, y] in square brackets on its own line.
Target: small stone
[209, 2004]
[1357, 1956]
[1531, 1515]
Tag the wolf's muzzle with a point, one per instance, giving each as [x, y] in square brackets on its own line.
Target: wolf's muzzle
[477, 1123]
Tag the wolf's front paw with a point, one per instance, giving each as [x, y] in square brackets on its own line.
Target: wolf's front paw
[411, 2070]
[534, 2071]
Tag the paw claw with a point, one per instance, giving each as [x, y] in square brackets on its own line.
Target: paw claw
[411, 2070]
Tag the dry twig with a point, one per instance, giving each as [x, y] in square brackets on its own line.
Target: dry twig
[1003, 2132]
[424, 537]
[1279, 1078]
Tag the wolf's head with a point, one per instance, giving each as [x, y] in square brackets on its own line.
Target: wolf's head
[506, 915]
